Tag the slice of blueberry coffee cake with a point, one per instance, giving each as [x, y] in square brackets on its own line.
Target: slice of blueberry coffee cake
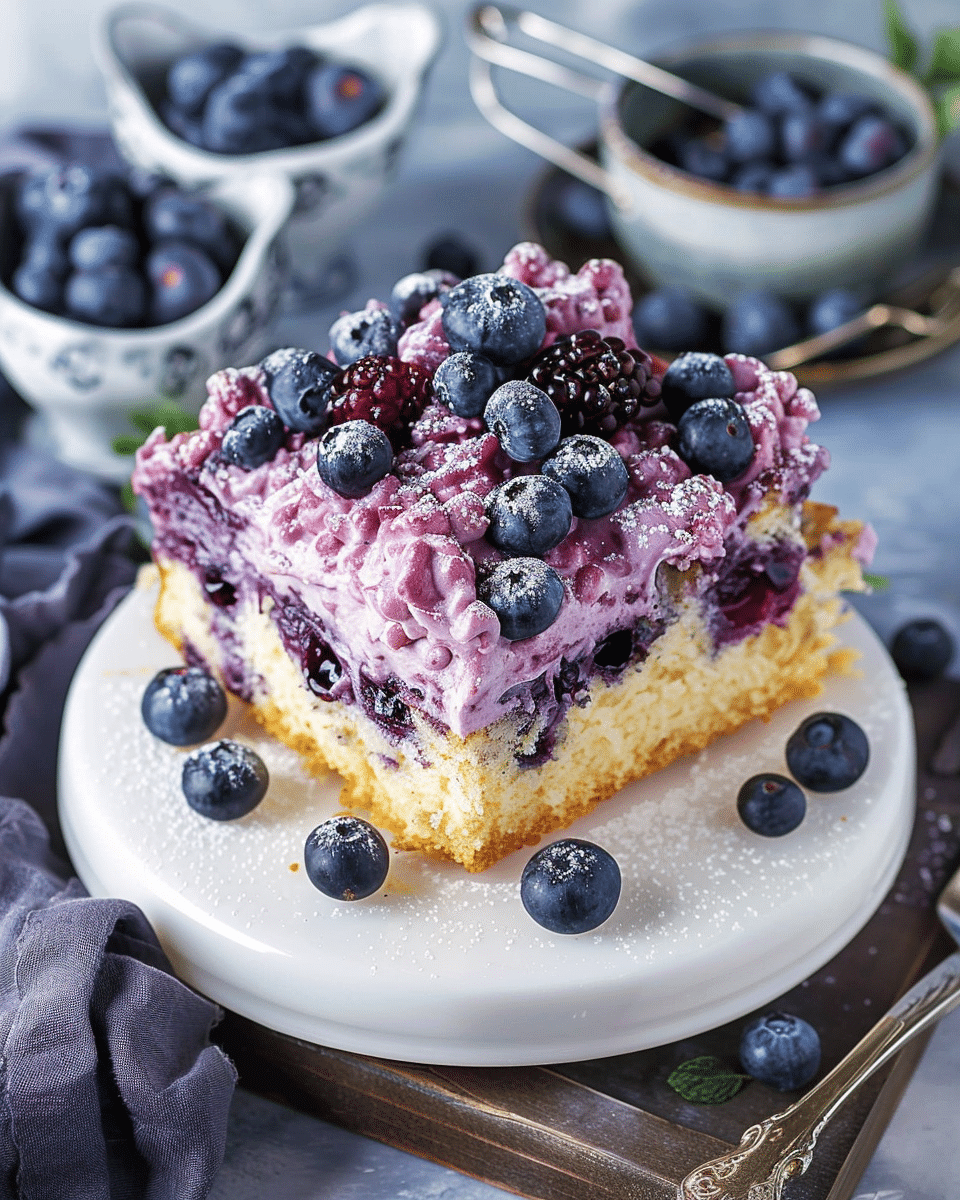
[495, 564]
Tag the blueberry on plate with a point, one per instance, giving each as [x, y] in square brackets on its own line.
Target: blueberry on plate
[192, 77]
[695, 376]
[464, 382]
[353, 456]
[298, 383]
[922, 649]
[224, 780]
[339, 99]
[496, 316]
[670, 319]
[570, 886]
[771, 805]
[103, 246]
[714, 438]
[828, 752]
[450, 252]
[525, 594]
[184, 278]
[780, 1050]
[528, 515]
[346, 858]
[592, 472]
[413, 291]
[524, 419]
[358, 334]
[253, 437]
[115, 297]
[757, 322]
[183, 705]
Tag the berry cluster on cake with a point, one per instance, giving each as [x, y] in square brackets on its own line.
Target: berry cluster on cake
[489, 561]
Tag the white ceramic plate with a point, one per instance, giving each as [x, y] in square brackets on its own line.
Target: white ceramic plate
[446, 967]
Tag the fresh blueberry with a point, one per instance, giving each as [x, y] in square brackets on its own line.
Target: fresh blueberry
[778, 92]
[104, 246]
[45, 252]
[570, 886]
[241, 117]
[413, 291]
[339, 99]
[298, 383]
[528, 515]
[184, 278]
[172, 215]
[253, 437]
[703, 160]
[115, 297]
[830, 171]
[838, 110]
[184, 126]
[803, 135]
[38, 286]
[771, 805]
[346, 858]
[279, 74]
[781, 1051]
[451, 253]
[754, 177]
[695, 376]
[669, 319]
[68, 198]
[870, 144]
[749, 135]
[464, 382]
[714, 438]
[352, 457]
[794, 182]
[832, 309]
[592, 472]
[358, 334]
[525, 594]
[828, 752]
[224, 780]
[192, 77]
[922, 649]
[525, 420]
[577, 207]
[756, 323]
[496, 316]
[183, 705]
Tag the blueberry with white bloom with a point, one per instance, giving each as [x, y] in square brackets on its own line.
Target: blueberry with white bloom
[253, 437]
[464, 382]
[224, 780]
[358, 334]
[346, 858]
[780, 1050]
[525, 420]
[528, 515]
[714, 438]
[591, 471]
[525, 594]
[352, 457]
[828, 752]
[570, 886]
[299, 383]
[496, 316]
[183, 705]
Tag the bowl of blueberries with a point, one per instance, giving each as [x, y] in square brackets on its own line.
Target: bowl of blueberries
[327, 106]
[118, 291]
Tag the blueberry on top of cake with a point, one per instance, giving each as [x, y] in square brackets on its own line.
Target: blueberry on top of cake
[489, 623]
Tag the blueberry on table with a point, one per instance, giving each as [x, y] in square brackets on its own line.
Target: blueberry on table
[757, 322]
[358, 334]
[669, 319]
[524, 419]
[115, 297]
[528, 515]
[496, 316]
[464, 382]
[346, 858]
[183, 278]
[570, 886]
[339, 99]
[525, 594]
[695, 376]
[253, 437]
[780, 1050]
[771, 805]
[591, 472]
[298, 383]
[224, 780]
[828, 752]
[922, 649]
[714, 438]
[183, 705]
[103, 246]
[353, 456]
[192, 77]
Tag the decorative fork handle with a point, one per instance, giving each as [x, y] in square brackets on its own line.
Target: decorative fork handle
[781, 1147]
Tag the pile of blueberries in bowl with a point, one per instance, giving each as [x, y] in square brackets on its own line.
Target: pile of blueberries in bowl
[94, 247]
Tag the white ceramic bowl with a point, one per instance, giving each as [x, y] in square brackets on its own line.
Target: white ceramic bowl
[84, 380]
[339, 181]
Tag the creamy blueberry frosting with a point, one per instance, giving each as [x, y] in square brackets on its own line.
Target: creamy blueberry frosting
[389, 581]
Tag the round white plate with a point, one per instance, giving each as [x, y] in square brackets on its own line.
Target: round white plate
[446, 967]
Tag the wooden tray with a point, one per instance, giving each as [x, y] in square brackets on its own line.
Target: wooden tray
[612, 1127]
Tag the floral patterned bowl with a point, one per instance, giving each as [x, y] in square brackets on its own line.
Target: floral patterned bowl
[339, 181]
[84, 380]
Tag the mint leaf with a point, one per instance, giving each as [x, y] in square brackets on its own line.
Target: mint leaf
[167, 413]
[706, 1080]
[904, 49]
[947, 108]
[945, 59]
[126, 443]
[127, 497]
[877, 582]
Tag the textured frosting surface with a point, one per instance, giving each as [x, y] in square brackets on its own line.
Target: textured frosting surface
[392, 577]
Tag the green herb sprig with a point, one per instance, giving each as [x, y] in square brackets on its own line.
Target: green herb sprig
[706, 1080]
[937, 69]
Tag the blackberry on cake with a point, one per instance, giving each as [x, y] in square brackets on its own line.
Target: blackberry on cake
[476, 688]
